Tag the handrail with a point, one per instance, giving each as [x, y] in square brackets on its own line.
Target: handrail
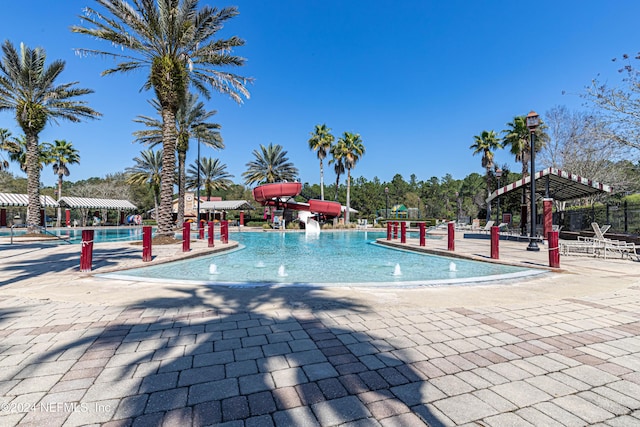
[42, 229]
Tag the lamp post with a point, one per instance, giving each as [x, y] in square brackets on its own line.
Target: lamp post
[533, 121]
[498, 176]
[386, 211]
[198, 187]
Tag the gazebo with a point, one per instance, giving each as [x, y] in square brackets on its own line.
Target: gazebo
[553, 184]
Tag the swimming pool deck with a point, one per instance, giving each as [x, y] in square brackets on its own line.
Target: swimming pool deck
[76, 349]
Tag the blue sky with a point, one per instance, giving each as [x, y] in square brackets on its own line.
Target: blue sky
[416, 79]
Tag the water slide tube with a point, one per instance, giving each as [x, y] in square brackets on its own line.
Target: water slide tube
[271, 195]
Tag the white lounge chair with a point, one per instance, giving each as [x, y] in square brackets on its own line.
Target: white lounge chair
[605, 245]
[487, 227]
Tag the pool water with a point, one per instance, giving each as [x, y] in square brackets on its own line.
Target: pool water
[74, 235]
[327, 259]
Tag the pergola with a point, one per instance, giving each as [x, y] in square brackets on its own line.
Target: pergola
[21, 200]
[88, 203]
[212, 206]
[554, 184]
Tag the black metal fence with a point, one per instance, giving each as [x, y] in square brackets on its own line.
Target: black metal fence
[624, 218]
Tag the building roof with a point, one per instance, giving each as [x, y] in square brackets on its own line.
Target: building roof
[89, 203]
[561, 185]
[10, 199]
[225, 205]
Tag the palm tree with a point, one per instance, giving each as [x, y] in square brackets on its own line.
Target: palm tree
[175, 41]
[191, 121]
[7, 144]
[61, 154]
[27, 87]
[350, 149]
[147, 170]
[321, 141]
[18, 153]
[486, 143]
[213, 176]
[270, 165]
[517, 138]
[338, 167]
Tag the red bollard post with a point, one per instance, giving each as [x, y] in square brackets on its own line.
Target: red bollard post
[451, 236]
[186, 237]
[388, 230]
[495, 239]
[423, 240]
[224, 231]
[554, 250]
[86, 255]
[210, 233]
[395, 229]
[403, 232]
[146, 243]
[201, 229]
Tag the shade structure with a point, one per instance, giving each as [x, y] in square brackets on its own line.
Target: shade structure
[557, 184]
[10, 199]
[90, 203]
[225, 205]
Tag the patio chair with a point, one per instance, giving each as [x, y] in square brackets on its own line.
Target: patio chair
[605, 245]
[487, 227]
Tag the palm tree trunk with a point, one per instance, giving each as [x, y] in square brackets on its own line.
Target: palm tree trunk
[337, 184]
[181, 185]
[59, 219]
[165, 214]
[346, 213]
[33, 183]
[321, 181]
[488, 193]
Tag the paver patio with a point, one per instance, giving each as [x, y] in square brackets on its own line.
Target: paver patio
[75, 349]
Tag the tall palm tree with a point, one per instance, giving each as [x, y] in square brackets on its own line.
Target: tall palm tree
[61, 154]
[338, 166]
[321, 141]
[147, 170]
[517, 138]
[350, 149]
[175, 41]
[213, 176]
[486, 143]
[8, 144]
[191, 121]
[27, 87]
[271, 164]
[18, 153]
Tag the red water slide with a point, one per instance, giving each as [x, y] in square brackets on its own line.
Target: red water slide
[272, 195]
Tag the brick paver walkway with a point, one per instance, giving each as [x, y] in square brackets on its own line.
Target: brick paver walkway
[272, 357]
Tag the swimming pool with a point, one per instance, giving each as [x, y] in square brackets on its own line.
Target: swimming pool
[327, 259]
[74, 235]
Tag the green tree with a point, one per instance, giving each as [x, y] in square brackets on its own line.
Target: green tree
[213, 176]
[148, 170]
[28, 88]
[61, 154]
[486, 143]
[271, 164]
[350, 149]
[175, 41]
[321, 141]
[192, 122]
